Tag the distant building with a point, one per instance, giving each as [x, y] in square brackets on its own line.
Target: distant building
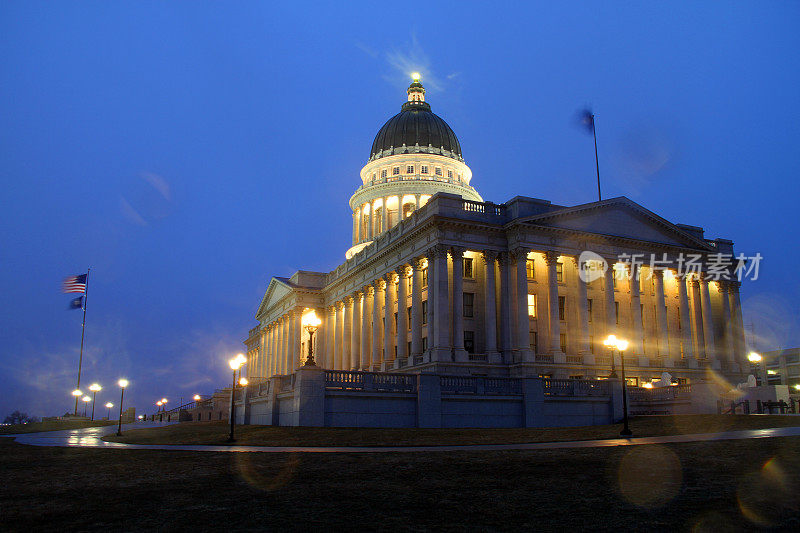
[438, 280]
[781, 367]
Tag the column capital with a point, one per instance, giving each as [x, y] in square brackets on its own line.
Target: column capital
[503, 258]
[368, 290]
[401, 271]
[378, 284]
[347, 300]
[389, 277]
[520, 252]
[457, 251]
[419, 263]
[339, 304]
[437, 251]
[356, 296]
[331, 308]
[488, 256]
[658, 273]
[551, 257]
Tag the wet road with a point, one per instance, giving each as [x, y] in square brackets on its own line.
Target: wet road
[92, 438]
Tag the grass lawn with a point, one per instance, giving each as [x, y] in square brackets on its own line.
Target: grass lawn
[217, 432]
[711, 486]
[35, 427]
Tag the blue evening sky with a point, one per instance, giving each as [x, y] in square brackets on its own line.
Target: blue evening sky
[188, 151]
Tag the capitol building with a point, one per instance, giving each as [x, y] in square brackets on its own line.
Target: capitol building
[437, 280]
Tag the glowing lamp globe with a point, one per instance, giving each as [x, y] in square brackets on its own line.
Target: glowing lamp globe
[76, 392]
[109, 405]
[753, 357]
[123, 383]
[94, 387]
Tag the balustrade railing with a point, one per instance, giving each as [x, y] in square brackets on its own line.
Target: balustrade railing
[575, 359]
[660, 394]
[543, 358]
[482, 207]
[459, 384]
[576, 387]
[369, 381]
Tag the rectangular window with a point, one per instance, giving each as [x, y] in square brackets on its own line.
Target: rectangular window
[410, 169]
[563, 341]
[468, 268]
[560, 272]
[532, 305]
[534, 340]
[408, 311]
[562, 311]
[423, 169]
[589, 308]
[395, 171]
[425, 277]
[469, 341]
[450, 174]
[424, 312]
[438, 171]
[424, 343]
[616, 313]
[591, 344]
[469, 304]
[529, 269]
[383, 173]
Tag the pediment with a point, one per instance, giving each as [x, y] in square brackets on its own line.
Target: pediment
[618, 217]
[276, 291]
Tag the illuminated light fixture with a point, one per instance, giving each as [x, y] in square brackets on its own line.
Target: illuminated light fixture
[621, 345]
[243, 382]
[647, 385]
[235, 364]
[163, 400]
[753, 357]
[241, 358]
[94, 387]
[415, 76]
[122, 383]
[86, 399]
[77, 392]
[109, 405]
[771, 372]
[311, 322]
[197, 398]
[797, 386]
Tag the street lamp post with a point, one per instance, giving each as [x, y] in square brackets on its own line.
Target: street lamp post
[620, 345]
[311, 323]
[235, 364]
[755, 364]
[94, 387]
[86, 401]
[122, 384]
[109, 405]
[77, 393]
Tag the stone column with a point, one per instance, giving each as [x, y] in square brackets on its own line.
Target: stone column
[662, 336]
[583, 313]
[608, 294]
[291, 355]
[416, 201]
[330, 330]
[551, 260]
[686, 330]
[273, 344]
[385, 215]
[738, 324]
[347, 329]
[439, 292]
[637, 332]
[338, 326]
[490, 301]
[355, 332]
[370, 234]
[402, 315]
[503, 261]
[298, 331]
[388, 323]
[376, 324]
[459, 352]
[416, 310]
[697, 320]
[355, 227]
[523, 334]
[366, 320]
[727, 323]
[708, 325]
[285, 344]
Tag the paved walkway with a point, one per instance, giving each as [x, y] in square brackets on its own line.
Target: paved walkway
[92, 438]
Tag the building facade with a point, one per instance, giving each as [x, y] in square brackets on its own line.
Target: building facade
[438, 280]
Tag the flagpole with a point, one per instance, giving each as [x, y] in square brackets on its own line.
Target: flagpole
[83, 330]
[596, 161]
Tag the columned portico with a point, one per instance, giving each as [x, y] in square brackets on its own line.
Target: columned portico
[347, 333]
[377, 323]
[727, 323]
[366, 323]
[662, 334]
[416, 309]
[402, 315]
[686, 328]
[503, 262]
[584, 349]
[708, 326]
[438, 291]
[355, 332]
[637, 329]
[388, 323]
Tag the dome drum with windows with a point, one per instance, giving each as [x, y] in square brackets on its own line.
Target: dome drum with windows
[414, 155]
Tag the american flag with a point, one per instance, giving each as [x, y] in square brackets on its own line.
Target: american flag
[74, 284]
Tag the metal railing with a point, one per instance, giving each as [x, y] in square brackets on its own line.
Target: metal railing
[660, 394]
